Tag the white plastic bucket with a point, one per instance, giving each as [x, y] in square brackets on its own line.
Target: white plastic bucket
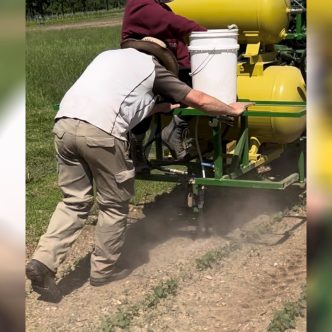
[214, 62]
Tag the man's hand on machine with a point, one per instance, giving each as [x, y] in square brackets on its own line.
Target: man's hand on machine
[239, 107]
[213, 106]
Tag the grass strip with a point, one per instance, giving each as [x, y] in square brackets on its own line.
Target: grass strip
[75, 18]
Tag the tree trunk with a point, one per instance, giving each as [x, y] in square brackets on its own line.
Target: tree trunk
[84, 5]
[41, 9]
[72, 6]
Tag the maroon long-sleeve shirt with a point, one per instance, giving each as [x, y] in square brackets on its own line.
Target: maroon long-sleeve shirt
[148, 18]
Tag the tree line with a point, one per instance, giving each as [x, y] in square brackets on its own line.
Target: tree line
[37, 8]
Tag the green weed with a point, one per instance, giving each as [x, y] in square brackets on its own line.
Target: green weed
[215, 256]
[161, 291]
[285, 318]
[121, 319]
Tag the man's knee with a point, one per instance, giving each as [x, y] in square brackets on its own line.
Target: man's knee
[78, 204]
[114, 207]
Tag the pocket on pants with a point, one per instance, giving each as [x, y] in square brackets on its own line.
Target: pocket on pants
[125, 182]
[58, 132]
[103, 142]
[124, 175]
[58, 140]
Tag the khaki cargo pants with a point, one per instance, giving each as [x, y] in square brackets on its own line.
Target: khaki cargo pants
[86, 154]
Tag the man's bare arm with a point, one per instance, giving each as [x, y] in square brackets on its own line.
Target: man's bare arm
[213, 106]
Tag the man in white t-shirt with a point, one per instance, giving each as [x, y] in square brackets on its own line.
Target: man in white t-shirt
[117, 90]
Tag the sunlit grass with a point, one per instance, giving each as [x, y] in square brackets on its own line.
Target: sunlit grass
[76, 17]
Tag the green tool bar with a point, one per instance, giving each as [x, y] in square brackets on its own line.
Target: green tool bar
[297, 36]
[261, 113]
[275, 114]
[192, 111]
[278, 185]
[274, 103]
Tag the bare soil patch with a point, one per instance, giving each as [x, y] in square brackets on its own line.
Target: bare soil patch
[240, 292]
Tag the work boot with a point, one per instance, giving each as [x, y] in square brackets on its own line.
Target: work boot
[137, 152]
[42, 279]
[175, 137]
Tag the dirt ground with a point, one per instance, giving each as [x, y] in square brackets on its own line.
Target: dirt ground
[266, 268]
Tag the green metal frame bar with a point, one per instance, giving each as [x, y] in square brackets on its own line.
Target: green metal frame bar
[301, 162]
[240, 163]
[217, 151]
[298, 23]
[299, 34]
[277, 185]
[241, 152]
[261, 113]
[275, 114]
[192, 111]
[245, 134]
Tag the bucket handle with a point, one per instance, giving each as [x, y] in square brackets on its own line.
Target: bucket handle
[204, 63]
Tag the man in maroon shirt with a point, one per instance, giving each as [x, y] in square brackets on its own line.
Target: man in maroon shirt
[154, 18]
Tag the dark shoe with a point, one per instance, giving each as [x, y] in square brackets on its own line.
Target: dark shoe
[137, 153]
[42, 279]
[116, 275]
[175, 137]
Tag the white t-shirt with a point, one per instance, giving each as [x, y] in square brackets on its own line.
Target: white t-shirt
[114, 93]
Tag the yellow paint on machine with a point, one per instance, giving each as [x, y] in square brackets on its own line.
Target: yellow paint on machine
[259, 22]
[265, 20]
[278, 83]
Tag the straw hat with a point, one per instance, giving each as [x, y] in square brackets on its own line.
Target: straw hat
[157, 48]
